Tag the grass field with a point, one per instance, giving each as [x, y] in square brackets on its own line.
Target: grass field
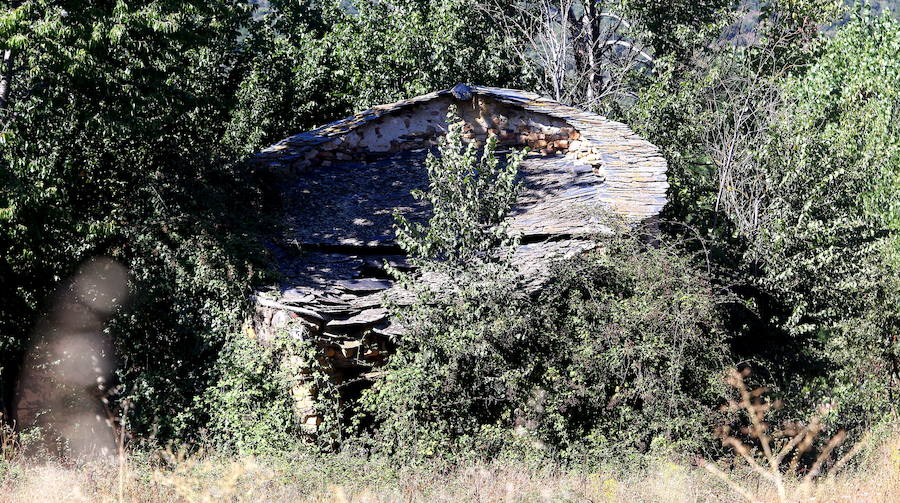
[343, 479]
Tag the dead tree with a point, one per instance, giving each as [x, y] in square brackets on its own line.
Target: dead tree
[583, 51]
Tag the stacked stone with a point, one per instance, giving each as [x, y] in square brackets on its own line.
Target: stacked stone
[546, 143]
[350, 331]
[336, 289]
[635, 172]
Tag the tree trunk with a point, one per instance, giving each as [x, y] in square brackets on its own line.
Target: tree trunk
[6, 78]
[589, 23]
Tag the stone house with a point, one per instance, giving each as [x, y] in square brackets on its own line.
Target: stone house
[342, 183]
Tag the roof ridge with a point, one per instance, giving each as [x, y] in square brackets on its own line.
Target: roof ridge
[460, 91]
[629, 160]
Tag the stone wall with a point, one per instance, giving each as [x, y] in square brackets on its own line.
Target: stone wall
[346, 359]
[421, 126]
[342, 182]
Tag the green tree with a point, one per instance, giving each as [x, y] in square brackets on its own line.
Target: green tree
[289, 80]
[469, 196]
[111, 146]
[831, 244]
[392, 50]
[309, 63]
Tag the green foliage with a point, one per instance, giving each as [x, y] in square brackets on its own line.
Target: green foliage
[830, 249]
[469, 197]
[289, 78]
[799, 130]
[125, 122]
[391, 50]
[669, 111]
[251, 406]
[312, 62]
[644, 335]
[670, 25]
[111, 147]
[122, 137]
[620, 351]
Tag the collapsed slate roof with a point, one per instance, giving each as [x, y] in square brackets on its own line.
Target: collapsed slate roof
[635, 184]
[339, 207]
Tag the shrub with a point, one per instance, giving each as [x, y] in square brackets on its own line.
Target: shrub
[250, 405]
[621, 350]
[469, 196]
[829, 250]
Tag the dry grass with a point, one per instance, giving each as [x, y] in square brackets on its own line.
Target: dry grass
[207, 478]
[765, 469]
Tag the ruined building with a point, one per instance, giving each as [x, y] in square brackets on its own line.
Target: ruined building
[342, 183]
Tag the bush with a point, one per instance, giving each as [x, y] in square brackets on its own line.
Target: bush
[622, 350]
[250, 404]
[829, 249]
[469, 197]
